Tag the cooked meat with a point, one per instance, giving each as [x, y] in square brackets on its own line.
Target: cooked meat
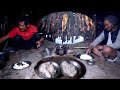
[47, 69]
[68, 69]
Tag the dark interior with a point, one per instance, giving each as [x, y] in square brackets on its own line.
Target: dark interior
[10, 11]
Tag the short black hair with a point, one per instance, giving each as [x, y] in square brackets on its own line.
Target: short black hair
[25, 19]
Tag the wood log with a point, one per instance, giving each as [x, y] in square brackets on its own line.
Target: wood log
[68, 24]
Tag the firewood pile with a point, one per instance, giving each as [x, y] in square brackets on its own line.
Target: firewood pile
[67, 25]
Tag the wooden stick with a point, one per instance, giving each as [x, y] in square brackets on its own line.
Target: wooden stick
[80, 47]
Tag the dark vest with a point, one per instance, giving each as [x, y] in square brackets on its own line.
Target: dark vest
[113, 35]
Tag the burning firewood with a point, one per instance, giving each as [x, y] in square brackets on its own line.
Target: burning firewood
[67, 25]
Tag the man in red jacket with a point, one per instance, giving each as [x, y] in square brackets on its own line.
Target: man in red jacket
[24, 36]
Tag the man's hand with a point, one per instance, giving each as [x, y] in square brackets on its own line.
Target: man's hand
[88, 51]
[2, 39]
[38, 44]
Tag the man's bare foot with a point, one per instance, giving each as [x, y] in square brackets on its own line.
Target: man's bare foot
[102, 59]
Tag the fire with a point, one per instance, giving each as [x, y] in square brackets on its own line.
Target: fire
[64, 21]
[67, 25]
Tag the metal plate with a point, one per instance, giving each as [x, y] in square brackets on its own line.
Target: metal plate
[20, 63]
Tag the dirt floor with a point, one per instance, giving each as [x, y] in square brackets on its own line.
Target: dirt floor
[105, 70]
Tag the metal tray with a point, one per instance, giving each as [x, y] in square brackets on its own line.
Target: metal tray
[59, 59]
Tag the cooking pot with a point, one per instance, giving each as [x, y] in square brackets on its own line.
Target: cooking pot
[61, 50]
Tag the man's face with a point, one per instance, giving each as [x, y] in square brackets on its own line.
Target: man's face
[109, 26]
[22, 26]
